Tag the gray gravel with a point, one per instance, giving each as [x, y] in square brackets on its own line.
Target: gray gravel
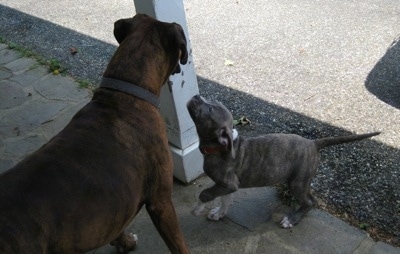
[312, 67]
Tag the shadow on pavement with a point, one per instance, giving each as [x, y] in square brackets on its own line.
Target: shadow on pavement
[350, 177]
[384, 79]
[54, 43]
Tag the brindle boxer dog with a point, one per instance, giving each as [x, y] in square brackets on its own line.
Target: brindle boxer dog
[83, 188]
[234, 162]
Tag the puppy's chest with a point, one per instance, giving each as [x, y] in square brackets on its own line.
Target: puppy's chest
[217, 166]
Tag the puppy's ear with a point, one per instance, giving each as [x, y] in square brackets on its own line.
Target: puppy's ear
[225, 138]
[121, 29]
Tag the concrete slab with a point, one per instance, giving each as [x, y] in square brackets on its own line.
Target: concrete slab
[21, 146]
[253, 207]
[53, 127]
[11, 95]
[3, 46]
[6, 164]
[318, 232]
[28, 117]
[30, 76]
[54, 87]
[7, 55]
[4, 73]
[20, 65]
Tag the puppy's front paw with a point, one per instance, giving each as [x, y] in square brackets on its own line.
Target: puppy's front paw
[216, 214]
[198, 208]
[285, 223]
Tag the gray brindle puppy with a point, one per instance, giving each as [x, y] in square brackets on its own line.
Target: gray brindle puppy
[234, 162]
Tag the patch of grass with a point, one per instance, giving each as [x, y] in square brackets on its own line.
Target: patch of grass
[53, 64]
[84, 84]
[364, 226]
[23, 51]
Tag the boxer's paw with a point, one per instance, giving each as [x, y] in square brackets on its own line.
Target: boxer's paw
[125, 242]
[198, 208]
[285, 223]
[216, 214]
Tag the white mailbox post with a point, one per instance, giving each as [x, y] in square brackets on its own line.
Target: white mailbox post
[182, 136]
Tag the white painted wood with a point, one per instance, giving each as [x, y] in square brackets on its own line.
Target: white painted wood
[182, 136]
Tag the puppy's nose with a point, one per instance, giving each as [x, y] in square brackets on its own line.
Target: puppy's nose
[197, 96]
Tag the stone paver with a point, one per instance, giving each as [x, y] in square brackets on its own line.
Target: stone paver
[34, 105]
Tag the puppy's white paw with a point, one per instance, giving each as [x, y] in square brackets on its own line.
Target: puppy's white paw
[198, 208]
[285, 223]
[215, 214]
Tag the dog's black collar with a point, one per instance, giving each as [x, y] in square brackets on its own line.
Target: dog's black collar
[217, 149]
[212, 150]
[131, 89]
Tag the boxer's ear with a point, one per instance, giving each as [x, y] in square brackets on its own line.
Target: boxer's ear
[183, 57]
[121, 29]
[182, 44]
[225, 138]
[183, 54]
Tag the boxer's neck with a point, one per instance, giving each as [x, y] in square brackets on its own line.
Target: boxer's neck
[131, 89]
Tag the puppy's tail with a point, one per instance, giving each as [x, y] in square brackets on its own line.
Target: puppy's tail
[330, 141]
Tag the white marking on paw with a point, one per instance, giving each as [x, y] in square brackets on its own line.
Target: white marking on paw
[215, 214]
[285, 223]
[198, 208]
[219, 212]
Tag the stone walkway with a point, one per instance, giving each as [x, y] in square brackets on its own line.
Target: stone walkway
[34, 105]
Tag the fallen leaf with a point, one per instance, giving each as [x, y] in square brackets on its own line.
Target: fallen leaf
[73, 50]
[242, 121]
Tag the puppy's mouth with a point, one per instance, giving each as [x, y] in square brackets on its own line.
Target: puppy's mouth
[196, 100]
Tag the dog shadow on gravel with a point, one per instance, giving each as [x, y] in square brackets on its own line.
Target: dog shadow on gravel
[358, 180]
[384, 79]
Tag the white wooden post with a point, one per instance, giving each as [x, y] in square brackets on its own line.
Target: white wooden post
[182, 136]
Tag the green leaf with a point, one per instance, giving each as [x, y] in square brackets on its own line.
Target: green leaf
[241, 121]
[364, 226]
